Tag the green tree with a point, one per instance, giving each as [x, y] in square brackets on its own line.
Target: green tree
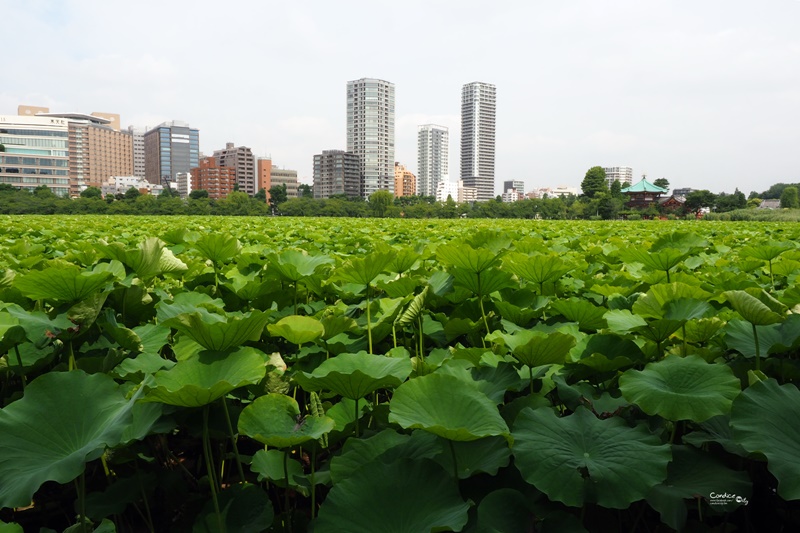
[594, 182]
[91, 192]
[730, 202]
[616, 189]
[169, 192]
[2, 148]
[662, 182]
[789, 198]
[277, 196]
[305, 191]
[197, 194]
[699, 199]
[261, 195]
[379, 201]
[132, 194]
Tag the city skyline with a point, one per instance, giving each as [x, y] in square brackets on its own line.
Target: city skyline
[703, 94]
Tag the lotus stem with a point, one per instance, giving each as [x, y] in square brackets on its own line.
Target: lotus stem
[71, 365]
[421, 340]
[455, 461]
[369, 321]
[21, 373]
[313, 483]
[356, 419]
[771, 279]
[80, 488]
[286, 491]
[210, 468]
[485, 322]
[149, 517]
[758, 348]
[233, 440]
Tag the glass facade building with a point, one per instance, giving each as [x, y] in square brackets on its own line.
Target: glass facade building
[36, 153]
[170, 148]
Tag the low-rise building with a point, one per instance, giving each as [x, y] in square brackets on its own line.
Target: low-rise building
[405, 183]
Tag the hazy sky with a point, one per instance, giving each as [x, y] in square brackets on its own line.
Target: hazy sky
[705, 93]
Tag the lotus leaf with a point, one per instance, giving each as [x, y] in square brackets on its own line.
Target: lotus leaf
[297, 329]
[217, 247]
[764, 420]
[370, 501]
[232, 332]
[65, 284]
[354, 375]
[64, 420]
[580, 459]
[757, 310]
[244, 508]
[275, 420]
[681, 388]
[442, 405]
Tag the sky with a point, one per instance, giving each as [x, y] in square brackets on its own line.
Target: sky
[704, 93]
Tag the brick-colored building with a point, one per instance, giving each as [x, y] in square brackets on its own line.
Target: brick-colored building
[210, 176]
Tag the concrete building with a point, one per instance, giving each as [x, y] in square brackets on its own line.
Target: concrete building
[242, 160]
[370, 132]
[517, 185]
[264, 174]
[623, 174]
[433, 156]
[560, 191]
[478, 111]
[282, 176]
[97, 147]
[170, 148]
[447, 188]
[120, 184]
[137, 136]
[337, 172]
[183, 184]
[36, 153]
[210, 176]
[405, 183]
[466, 194]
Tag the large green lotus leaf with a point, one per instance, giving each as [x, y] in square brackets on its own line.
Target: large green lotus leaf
[609, 345]
[701, 330]
[275, 420]
[294, 265]
[692, 473]
[148, 260]
[505, 511]
[220, 336]
[544, 349]
[62, 283]
[354, 375]
[466, 257]
[269, 465]
[475, 457]
[64, 420]
[752, 308]
[764, 420]
[739, 336]
[297, 329]
[442, 405]
[679, 240]
[662, 260]
[387, 447]
[370, 501]
[404, 259]
[580, 459]
[623, 321]
[790, 335]
[13, 527]
[244, 508]
[484, 282]
[587, 315]
[363, 271]
[765, 252]
[684, 309]
[209, 375]
[681, 388]
[537, 268]
[188, 302]
[217, 247]
[716, 429]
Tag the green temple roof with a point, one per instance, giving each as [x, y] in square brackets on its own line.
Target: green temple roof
[643, 186]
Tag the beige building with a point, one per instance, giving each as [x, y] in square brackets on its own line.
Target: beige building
[242, 160]
[405, 183]
[97, 147]
[279, 176]
[35, 153]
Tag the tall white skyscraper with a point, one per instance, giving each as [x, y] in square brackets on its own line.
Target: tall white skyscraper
[623, 174]
[478, 110]
[370, 132]
[433, 154]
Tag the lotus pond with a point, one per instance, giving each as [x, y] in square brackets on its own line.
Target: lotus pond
[278, 374]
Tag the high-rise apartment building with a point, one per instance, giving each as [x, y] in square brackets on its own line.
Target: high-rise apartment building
[242, 160]
[210, 176]
[405, 183]
[36, 153]
[337, 172]
[97, 147]
[433, 156]
[137, 136]
[170, 148]
[623, 174]
[478, 110]
[370, 132]
[264, 174]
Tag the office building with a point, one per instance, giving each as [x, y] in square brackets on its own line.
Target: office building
[283, 176]
[433, 155]
[478, 111]
[170, 148]
[337, 172]
[209, 176]
[264, 174]
[137, 136]
[623, 174]
[242, 160]
[36, 153]
[517, 185]
[405, 183]
[370, 132]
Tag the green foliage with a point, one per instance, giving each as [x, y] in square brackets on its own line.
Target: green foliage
[594, 182]
[789, 198]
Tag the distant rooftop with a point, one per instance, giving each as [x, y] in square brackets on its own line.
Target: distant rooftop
[643, 186]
